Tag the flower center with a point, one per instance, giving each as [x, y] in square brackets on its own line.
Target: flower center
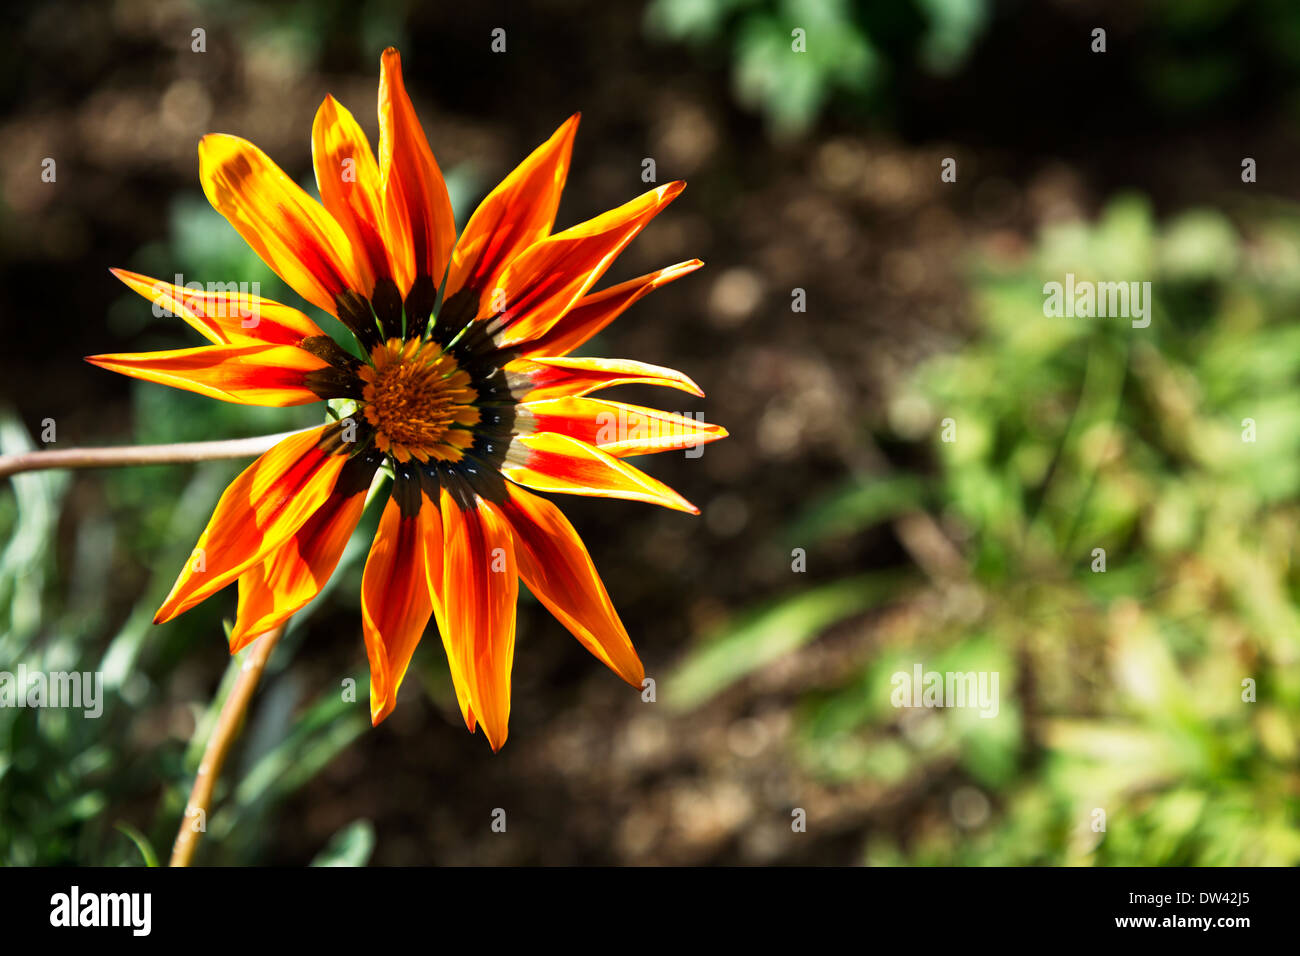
[420, 402]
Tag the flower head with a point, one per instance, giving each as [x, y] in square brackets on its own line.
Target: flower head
[467, 394]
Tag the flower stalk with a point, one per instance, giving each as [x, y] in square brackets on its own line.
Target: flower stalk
[116, 457]
[229, 723]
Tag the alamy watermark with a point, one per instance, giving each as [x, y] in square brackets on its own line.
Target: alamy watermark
[221, 300]
[133, 911]
[57, 689]
[667, 430]
[922, 688]
[1086, 299]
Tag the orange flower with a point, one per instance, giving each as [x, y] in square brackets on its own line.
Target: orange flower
[467, 395]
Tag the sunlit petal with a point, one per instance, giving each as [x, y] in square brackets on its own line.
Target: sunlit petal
[618, 428]
[480, 590]
[419, 217]
[544, 281]
[395, 604]
[225, 316]
[292, 232]
[550, 377]
[593, 312]
[517, 213]
[551, 462]
[275, 375]
[347, 175]
[271, 591]
[269, 501]
[555, 565]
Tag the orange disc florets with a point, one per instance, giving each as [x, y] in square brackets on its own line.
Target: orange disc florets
[419, 400]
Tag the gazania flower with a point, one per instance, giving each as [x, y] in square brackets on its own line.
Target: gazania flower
[465, 391]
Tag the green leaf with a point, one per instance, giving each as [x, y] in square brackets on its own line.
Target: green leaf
[770, 633]
[856, 508]
[141, 843]
[351, 846]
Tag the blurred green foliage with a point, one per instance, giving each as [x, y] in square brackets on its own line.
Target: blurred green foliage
[1174, 448]
[790, 58]
[1199, 54]
[1195, 55]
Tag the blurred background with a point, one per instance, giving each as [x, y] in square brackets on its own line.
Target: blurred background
[1121, 690]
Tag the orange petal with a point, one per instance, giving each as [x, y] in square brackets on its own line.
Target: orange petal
[416, 203]
[520, 211]
[557, 377]
[348, 177]
[617, 428]
[270, 500]
[431, 512]
[292, 232]
[225, 317]
[593, 312]
[547, 278]
[555, 565]
[395, 602]
[479, 593]
[550, 462]
[275, 375]
[293, 574]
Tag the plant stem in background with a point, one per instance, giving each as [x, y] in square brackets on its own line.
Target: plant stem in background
[218, 747]
[177, 453]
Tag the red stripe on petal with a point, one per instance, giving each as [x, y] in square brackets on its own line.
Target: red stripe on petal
[292, 232]
[593, 312]
[416, 201]
[273, 590]
[517, 213]
[267, 503]
[618, 428]
[271, 375]
[225, 317]
[350, 188]
[558, 463]
[395, 604]
[555, 565]
[479, 594]
[543, 282]
[552, 377]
